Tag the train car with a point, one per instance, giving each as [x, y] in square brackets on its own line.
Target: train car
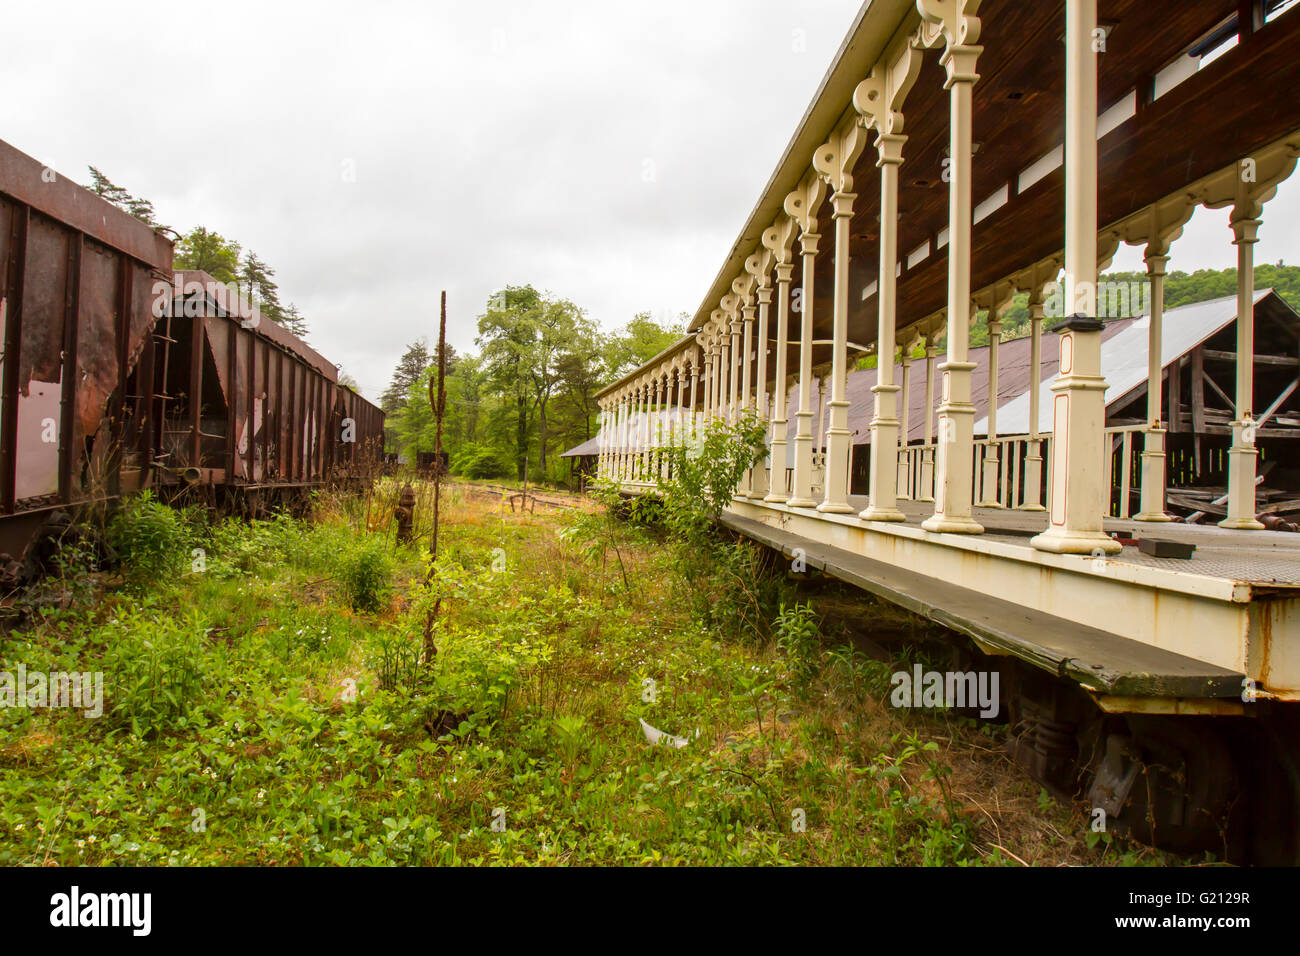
[249, 413]
[119, 374]
[76, 377]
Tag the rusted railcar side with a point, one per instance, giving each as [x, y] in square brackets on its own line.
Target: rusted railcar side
[76, 317]
[257, 408]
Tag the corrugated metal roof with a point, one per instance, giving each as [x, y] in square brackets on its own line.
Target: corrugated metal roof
[1124, 359]
[1123, 362]
[1013, 380]
[590, 447]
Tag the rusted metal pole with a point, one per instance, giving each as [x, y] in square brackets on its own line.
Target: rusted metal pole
[437, 400]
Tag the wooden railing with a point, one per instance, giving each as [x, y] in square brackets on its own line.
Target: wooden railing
[1123, 455]
[1013, 484]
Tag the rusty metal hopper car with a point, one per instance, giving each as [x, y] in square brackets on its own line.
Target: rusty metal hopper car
[77, 287]
[251, 415]
[114, 377]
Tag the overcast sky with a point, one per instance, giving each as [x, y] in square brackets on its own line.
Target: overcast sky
[375, 153]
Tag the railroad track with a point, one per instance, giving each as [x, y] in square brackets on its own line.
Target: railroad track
[499, 491]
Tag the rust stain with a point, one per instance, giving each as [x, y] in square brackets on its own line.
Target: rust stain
[1266, 639]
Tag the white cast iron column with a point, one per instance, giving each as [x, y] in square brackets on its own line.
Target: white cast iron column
[759, 485]
[1243, 455]
[804, 211]
[1033, 485]
[953, 491]
[780, 490]
[1153, 447]
[927, 454]
[1079, 495]
[904, 472]
[835, 162]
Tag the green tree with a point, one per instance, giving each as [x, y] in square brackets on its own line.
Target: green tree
[257, 282]
[294, 321]
[104, 187]
[411, 367]
[638, 342]
[506, 334]
[209, 252]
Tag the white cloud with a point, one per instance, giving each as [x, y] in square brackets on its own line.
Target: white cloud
[494, 143]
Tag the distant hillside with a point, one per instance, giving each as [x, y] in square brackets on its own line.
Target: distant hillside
[1181, 288]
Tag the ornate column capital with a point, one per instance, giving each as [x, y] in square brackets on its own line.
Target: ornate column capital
[834, 160]
[1156, 264]
[842, 205]
[778, 239]
[1245, 231]
[801, 206]
[959, 61]
[879, 98]
[1249, 183]
[954, 24]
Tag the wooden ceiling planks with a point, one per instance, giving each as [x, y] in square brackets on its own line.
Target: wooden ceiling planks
[1242, 101]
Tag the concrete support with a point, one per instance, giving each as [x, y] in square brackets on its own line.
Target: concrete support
[952, 494]
[1079, 495]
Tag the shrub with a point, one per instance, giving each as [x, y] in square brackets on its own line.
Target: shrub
[797, 636]
[366, 574]
[478, 461]
[150, 538]
[157, 666]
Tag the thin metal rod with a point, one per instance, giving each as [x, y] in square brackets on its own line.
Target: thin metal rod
[437, 400]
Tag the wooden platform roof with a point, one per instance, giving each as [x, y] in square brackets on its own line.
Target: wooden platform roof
[1241, 102]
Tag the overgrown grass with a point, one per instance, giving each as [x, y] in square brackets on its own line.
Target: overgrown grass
[271, 708]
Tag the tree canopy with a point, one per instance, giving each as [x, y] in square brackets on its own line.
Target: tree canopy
[529, 392]
[209, 251]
